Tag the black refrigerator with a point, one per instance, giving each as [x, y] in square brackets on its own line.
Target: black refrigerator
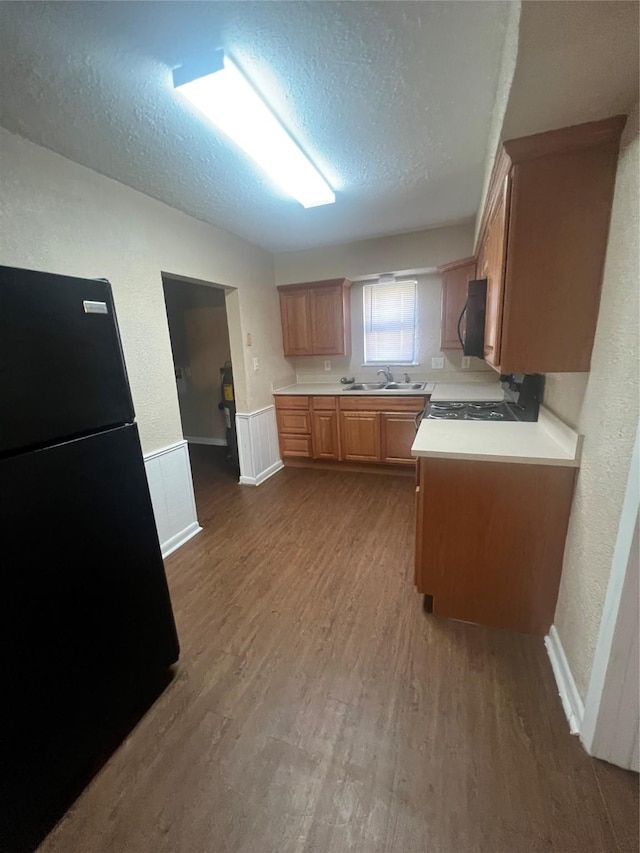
[86, 614]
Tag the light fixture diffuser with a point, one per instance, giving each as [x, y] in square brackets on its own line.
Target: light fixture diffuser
[229, 101]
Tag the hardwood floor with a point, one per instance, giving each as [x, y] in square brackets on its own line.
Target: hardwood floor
[316, 708]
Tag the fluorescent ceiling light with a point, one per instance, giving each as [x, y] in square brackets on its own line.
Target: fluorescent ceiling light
[229, 101]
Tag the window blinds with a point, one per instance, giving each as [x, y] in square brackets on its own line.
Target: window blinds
[390, 323]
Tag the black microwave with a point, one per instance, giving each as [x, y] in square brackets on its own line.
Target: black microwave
[475, 310]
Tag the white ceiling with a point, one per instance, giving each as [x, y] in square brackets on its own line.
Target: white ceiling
[392, 100]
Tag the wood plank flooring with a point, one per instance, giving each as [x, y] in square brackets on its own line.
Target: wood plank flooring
[317, 708]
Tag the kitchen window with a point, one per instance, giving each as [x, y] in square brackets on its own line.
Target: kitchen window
[389, 312]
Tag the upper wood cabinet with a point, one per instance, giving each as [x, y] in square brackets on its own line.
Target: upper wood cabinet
[490, 265]
[541, 247]
[542, 243]
[455, 277]
[316, 317]
[295, 311]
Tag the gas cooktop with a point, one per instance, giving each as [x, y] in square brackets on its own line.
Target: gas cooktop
[472, 412]
[524, 395]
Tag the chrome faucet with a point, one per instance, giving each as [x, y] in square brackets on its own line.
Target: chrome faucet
[387, 373]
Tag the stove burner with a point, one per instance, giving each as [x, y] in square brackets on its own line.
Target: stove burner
[440, 415]
[486, 415]
[447, 407]
[482, 406]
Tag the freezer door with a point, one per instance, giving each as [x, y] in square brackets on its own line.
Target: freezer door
[85, 598]
[62, 372]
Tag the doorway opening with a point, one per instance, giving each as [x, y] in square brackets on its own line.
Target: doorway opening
[199, 331]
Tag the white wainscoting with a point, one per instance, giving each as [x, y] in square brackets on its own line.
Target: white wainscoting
[258, 448]
[174, 507]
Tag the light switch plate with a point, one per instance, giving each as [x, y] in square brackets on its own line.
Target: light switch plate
[255, 363]
[327, 364]
[437, 363]
[466, 362]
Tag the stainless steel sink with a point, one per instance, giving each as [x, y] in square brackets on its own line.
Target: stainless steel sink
[366, 386]
[405, 386]
[389, 386]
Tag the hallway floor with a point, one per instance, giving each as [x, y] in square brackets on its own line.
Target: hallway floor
[316, 707]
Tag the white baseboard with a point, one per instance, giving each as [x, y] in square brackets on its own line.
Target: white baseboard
[203, 439]
[258, 449]
[264, 475]
[171, 487]
[570, 697]
[179, 539]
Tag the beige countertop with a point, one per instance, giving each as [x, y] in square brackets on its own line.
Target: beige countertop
[548, 441]
[315, 389]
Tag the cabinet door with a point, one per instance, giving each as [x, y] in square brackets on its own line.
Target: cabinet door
[491, 263]
[327, 321]
[454, 296]
[360, 436]
[295, 309]
[324, 435]
[398, 434]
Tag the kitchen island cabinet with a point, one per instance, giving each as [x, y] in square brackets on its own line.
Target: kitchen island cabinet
[492, 509]
[491, 540]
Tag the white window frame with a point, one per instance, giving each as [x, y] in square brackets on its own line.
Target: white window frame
[388, 361]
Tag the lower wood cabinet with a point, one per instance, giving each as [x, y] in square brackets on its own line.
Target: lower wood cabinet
[360, 436]
[490, 539]
[294, 422]
[363, 429]
[296, 445]
[324, 435]
[398, 432]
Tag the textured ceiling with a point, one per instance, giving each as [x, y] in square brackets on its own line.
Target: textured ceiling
[391, 100]
[577, 62]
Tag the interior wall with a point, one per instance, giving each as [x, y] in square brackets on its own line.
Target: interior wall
[429, 296]
[604, 406]
[58, 216]
[503, 90]
[192, 308]
[417, 250]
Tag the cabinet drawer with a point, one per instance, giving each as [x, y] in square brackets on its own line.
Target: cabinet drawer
[381, 403]
[295, 445]
[324, 404]
[293, 422]
[291, 401]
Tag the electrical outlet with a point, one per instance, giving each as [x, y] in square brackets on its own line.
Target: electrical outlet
[437, 363]
[327, 364]
[466, 362]
[255, 364]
